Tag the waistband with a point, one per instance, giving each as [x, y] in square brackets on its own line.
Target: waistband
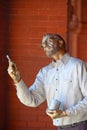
[72, 125]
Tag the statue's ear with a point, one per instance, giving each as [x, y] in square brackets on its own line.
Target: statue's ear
[60, 43]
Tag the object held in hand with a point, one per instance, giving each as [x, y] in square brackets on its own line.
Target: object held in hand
[54, 104]
[7, 56]
[12, 65]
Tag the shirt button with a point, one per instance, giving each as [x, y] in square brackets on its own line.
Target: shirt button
[56, 79]
[56, 89]
[57, 69]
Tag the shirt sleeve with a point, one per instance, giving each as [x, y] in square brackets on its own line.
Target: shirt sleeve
[33, 95]
[81, 106]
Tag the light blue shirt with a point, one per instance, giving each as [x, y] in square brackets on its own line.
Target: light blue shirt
[64, 80]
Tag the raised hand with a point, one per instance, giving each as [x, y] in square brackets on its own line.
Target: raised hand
[13, 71]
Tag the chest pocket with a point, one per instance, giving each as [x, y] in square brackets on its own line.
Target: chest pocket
[68, 82]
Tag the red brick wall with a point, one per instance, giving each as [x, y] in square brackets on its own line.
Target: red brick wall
[28, 21]
[82, 38]
[3, 64]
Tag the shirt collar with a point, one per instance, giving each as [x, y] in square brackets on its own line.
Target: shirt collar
[61, 61]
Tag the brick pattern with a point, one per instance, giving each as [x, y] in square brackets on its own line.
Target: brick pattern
[28, 21]
[82, 38]
[3, 65]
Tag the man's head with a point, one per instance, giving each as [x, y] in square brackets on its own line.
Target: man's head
[53, 44]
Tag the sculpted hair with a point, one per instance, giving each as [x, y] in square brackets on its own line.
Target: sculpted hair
[55, 37]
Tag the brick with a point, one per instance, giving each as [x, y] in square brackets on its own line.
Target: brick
[17, 124]
[36, 124]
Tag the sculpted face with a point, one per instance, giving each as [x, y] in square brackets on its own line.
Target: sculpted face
[51, 45]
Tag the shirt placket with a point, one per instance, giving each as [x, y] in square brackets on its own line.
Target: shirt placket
[57, 83]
